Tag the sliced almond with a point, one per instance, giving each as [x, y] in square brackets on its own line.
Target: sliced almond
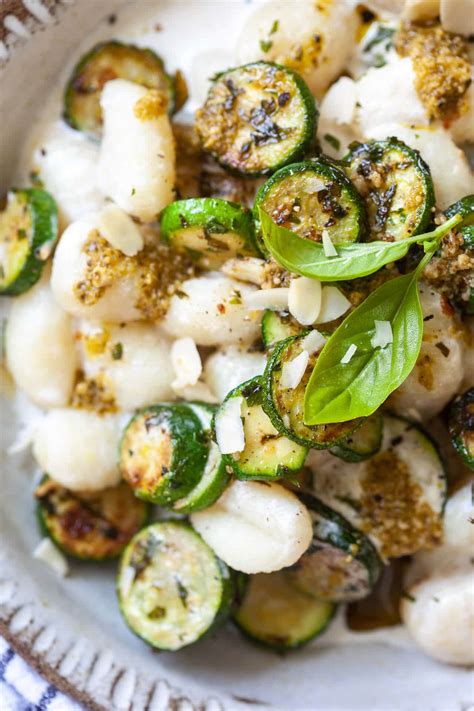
[333, 304]
[274, 299]
[457, 16]
[119, 230]
[304, 300]
[49, 554]
[248, 269]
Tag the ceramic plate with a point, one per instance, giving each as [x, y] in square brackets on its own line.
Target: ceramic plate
[71, 629]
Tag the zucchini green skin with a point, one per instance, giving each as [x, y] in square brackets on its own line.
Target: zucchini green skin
[461, 426]
[210, 229]
[104, 62]
[90, 526]
[332, 204]
[33, 214]
[171, 587]
[163, 452]
[243, 133]
[215, 476]
[362, 444]
[341, 564]
[399, 207]
[280, 404]
[276, 615]
[397, 497]
[268, 455]
[465, 208]
[276, 326]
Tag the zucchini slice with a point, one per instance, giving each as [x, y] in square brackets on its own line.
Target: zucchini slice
[278, 325]
[90, 525]
[257, 118]
[461, 426]
[28, 233]
[341, 564]
[362, 444]
[462, 284]
[163, 452]
[277, 615]
[172, 589]
[396, 498]
[284, 406]
[268, 455]
[215, 476]
[396, 185]
[311, 197]
[104, 62]
[209, 229]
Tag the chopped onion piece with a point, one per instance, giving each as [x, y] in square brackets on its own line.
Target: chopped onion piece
[313, 341]
[186, 363]
[349, 353]
[274, 299]
[333, 304]
[119, 230]
[248, 269]
[293, 371]
[229, 427]
[48, 553]
[304, 300]
[329, 248]
[383, 334]
[313, 185]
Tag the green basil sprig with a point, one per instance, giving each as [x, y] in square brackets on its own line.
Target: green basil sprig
[336, 391]
[356, 259]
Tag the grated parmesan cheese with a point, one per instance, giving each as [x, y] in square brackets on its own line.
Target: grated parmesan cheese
[49, 554]
[329, 248]
[229, 427]
[313, 341]
[186, 363]
[293, 371]
[383, 334]
[347, 357]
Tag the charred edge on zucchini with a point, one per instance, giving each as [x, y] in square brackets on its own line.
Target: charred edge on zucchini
[452, 269]
[171, 587]
[105, 62]
[28, 233]
[163, 452]
[396, 185]
[341, 564]
[461, 426]
[275, 614]
[215, 476]
[362, 444]
[313, 197]
[210, 230]
[268, 455]
[257, 118]
[90, 526]
[284, 406]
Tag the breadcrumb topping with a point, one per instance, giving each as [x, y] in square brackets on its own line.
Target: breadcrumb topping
[94, 394]
[151, 106]
[441, 65]
[394, 509]
[156, 270]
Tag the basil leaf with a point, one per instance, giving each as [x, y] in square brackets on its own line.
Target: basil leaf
[356, 259]
[337, 392]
